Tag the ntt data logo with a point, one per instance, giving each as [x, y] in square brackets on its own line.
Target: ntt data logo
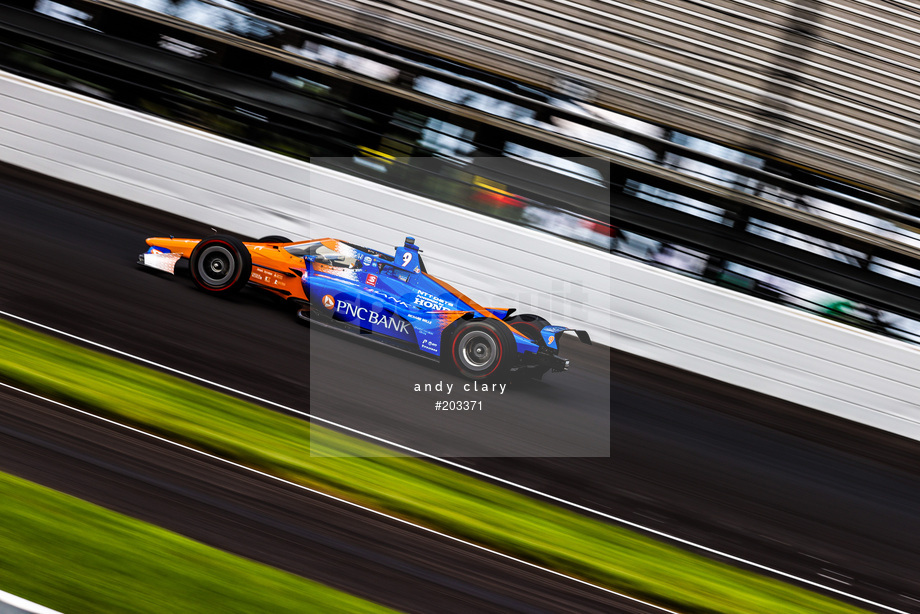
[328, 301]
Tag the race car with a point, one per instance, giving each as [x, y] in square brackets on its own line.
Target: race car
[392, 299]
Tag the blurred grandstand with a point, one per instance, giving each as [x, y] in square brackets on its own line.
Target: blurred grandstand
[763, 146]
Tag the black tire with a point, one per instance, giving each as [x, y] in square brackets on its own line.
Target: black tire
[220, 264]
[481, 349]
[274, 239]
[528, 325]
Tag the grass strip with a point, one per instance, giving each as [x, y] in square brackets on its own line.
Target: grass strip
[74, 557]
[408, 487]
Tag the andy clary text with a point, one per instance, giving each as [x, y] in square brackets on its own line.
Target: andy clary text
[478, 387]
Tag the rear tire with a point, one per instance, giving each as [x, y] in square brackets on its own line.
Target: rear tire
[481, 349]
[274, 239]
[220, 264]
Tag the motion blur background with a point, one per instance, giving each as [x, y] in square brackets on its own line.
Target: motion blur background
[769, 147]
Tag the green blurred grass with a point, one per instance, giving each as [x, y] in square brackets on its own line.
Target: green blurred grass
[408, 487]
[76, 557]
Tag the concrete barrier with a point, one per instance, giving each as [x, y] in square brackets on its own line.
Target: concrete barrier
[11, 604]
[245, 190]
[656, 314]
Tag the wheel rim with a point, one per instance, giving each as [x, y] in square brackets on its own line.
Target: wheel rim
[216, 266]
[478, 350]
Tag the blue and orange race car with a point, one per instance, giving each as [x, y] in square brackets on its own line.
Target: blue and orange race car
[391, 298]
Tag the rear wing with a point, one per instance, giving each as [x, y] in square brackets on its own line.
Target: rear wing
[551, 335]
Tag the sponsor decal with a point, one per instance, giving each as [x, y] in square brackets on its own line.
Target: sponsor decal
[267, 276]
[371, 280]
[386, 296]
[328, 301]
[367, 261]
[416, 318]
[371, 317]
[430, 301]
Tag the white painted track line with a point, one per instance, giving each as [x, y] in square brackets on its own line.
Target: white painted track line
[451, 463]
[329, 496]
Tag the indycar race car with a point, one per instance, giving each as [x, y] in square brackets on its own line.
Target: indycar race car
[391, 298]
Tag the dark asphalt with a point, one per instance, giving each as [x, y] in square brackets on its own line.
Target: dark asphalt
[810, 494]
[278, 524]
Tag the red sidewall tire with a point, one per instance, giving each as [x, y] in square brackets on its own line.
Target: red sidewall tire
[481, 350]
[220, 264]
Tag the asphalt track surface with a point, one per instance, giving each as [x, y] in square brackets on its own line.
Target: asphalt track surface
[817, 497]
[274, 523]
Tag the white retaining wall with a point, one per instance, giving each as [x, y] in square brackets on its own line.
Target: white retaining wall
[11, 604]
[630, 306]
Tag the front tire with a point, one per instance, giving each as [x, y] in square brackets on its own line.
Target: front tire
[480, 350]
[220, 264]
